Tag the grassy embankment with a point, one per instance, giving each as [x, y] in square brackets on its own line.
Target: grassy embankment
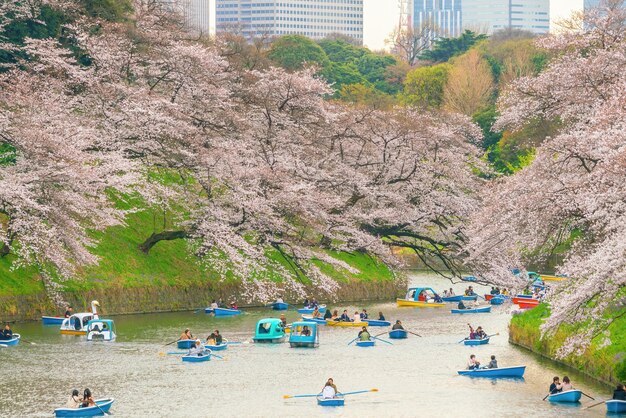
[168, 278]
[607, 363]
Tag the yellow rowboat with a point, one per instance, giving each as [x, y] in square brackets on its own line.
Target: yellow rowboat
[345, 324]
[549, 277]
[419, 304]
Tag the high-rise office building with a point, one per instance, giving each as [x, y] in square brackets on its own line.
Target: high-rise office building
[313, 18]
[197, 15]
[444, 15]
[488, 16]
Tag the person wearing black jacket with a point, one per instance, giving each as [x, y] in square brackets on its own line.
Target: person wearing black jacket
[554, 386]
[6, 333]
[619, 393]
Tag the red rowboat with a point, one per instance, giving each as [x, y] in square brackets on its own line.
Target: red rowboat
[519, 301]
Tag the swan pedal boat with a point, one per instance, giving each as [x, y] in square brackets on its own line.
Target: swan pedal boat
[514, 371]
[338, 400]
[12, 342]
[398, 334]
[77, 323]
[483, 341]
[484, 309]
[615, 406]
[90, 411]
[567, 396]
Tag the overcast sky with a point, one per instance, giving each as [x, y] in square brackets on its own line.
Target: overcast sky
[381, 16]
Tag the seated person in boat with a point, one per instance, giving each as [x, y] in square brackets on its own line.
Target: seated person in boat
[397, 325]
[356, 317]
[316, 313]
[422, 296]
[330, 390]
[6, 333]
[74, 401]
[221, 304]
[306, 332]
[306, 302]
[364, 315]
[314, 303]
[279, 300]
[69, 312]
[437, 299]
[214, 304]
[411, 295]
[470, 291]
[497, 291]
[472, 335]
[233, 305]
[364, 335]
[87, 400]
[215, 338]
[197, 350]
[186, 335]
[344, 316]
[335, 316]
[473, 363]
[461, 305]
[480, 334]
[381, 317]
[619, 393]
[493, 364]
[445, 294]
[283, 320]
[328, 315]
[566, 385]
[451, 292]
[554, 387]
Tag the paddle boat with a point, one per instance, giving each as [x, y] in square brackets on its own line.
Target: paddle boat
[482, 309]
[297, 339]
[101, 330]
[615, 406]
[369, 343]
[497, 301]
[77, 323]
[397, 334]
[197, 358]
[280, 306]
[306, 310]
[52, 320]
[91, 411]
[338, 400]
[332, 323]
[412, 298]
[567, 396]
[13, 341]
[377, 323]
[269, 330]
[222, 311]
[476, 341]
[458, 298]
[186, 344]
[514, 371]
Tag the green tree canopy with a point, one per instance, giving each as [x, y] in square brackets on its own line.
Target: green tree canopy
[446, 48]
[341, 51]
[424, 86]
[293, 52]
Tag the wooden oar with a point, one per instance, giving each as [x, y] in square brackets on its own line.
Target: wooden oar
[215, 355]
[546, 397]
[26, 341]
[175, 341]
[198, 310]
[101, 410]
[176, 352]
[413, 333]
[300, 396]
[379, 334]
[595, 404]
[593, 399]
[358, 391]
[385, 341]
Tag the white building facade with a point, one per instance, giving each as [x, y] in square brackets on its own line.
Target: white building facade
[488, 16]
[444, 15]
[197, 15]
[315, 19]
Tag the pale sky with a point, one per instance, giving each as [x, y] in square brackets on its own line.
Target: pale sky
[381, 16]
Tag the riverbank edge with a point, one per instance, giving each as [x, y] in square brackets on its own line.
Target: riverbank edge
[592, 364]
[121, 301]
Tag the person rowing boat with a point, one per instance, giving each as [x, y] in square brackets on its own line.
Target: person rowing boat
[619, 393]
[330, 390]
[215, 338]
[197, 350]
[6, 333]
[364, 335]
[344, 316]
[381, 317]
[554, 387]
[186, 335]
[397, 325]
[316, 313]
[473, 363]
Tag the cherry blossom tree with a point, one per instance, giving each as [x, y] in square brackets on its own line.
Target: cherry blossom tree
[573, 192]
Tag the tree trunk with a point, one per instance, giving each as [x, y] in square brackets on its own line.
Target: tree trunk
[161, 236]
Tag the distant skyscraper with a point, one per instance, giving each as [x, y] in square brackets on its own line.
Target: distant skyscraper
[488, 16]
[197, 15]
[313, 18]
[445, 15]
[589, 4]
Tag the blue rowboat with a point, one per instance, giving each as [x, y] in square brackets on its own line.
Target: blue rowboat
[269, 330]
[280, 306]
[615, 406]
[369, 343]
[524, 296]
[13, 341]
[195, 358]
[467, 341]
[52, 320]
[496, 301]
[515, 371]
[377, 323]
[338, 400]
[458, 298]
[469, 279]
[567, 396]
[185, 344]
[320, 321]
[322, 309]
[216, 347]
[223, 311]
[90, 411]
[484, 309]
[398, 334]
